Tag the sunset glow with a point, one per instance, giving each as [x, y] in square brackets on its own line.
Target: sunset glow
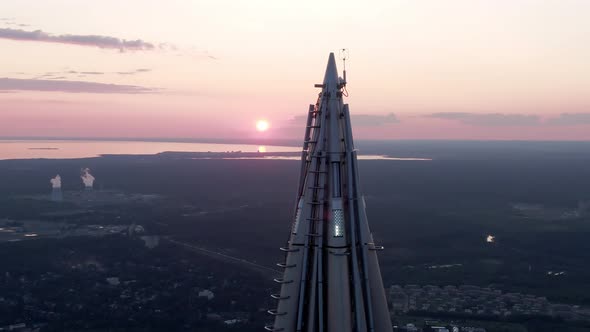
[466, 69]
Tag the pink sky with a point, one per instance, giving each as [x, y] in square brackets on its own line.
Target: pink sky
[466, 69]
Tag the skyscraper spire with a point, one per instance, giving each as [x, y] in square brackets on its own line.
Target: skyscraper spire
[331, 279]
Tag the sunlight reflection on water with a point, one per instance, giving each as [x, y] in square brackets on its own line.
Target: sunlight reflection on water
[32, 149]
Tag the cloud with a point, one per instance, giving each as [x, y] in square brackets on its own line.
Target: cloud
[91, 73]
[371, 120]
[104, 42]
[489, 119]
[9, 22]
[358, 120]
[570, 119]
[99, 41]
[47, 75]
[64, 74]
[500, 119]
[70, 73]
[133, 72]
[16, 84]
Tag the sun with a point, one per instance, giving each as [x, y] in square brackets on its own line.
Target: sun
[262, 125]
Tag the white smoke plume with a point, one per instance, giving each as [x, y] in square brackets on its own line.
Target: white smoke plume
[87, 178]
[56, 182]
[490, 239]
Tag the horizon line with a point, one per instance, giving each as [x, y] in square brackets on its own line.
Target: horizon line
[251, 141]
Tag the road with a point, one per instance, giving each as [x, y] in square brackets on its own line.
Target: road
[265, 270]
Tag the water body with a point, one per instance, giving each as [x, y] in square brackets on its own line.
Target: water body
[64, 149]
[359, 157]
[72, 149]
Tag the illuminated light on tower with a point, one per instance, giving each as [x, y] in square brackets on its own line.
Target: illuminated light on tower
[331, 280]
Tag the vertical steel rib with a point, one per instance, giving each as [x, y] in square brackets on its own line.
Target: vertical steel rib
[359, 299]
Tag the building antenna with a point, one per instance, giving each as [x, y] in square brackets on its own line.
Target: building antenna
[344, 57]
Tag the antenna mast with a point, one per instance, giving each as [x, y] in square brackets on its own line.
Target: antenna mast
[344, 57]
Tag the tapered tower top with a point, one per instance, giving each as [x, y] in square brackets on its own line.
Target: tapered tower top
[331, 76]
[332, 281]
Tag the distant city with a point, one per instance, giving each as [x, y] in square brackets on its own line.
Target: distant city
[468, 301]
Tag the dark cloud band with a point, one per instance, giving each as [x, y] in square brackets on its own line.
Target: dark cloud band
[16, 84]
[360, 120]
[371, 120]
[81, 40]
[570, 119]
[489, 119]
